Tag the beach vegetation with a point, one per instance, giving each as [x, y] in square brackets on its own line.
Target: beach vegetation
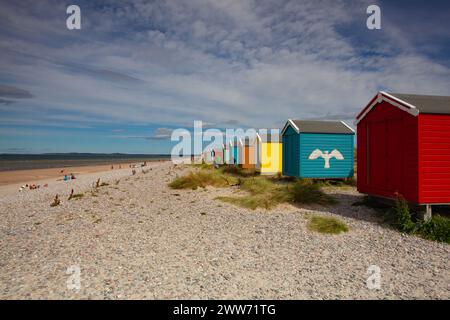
[326, 225]
[265, 192]
[307, 192]
[399, 216]
[257, 191]
[240, 172]
[202, 165]
[202, 179]
[437, 228]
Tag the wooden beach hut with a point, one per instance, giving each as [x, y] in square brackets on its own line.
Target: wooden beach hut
[234, 151]
[218, 154]
[227, 152]
[247, 153]
[208, 156]
[268, 153]
[404, 147]
[317, 149]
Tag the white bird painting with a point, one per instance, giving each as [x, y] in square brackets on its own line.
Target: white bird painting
[317, 153]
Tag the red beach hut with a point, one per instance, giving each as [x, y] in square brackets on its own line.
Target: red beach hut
[403, 145]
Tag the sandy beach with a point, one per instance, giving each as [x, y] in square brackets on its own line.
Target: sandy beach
[135, 238]
[14, 179]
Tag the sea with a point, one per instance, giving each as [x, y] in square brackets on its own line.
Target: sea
[9, 162]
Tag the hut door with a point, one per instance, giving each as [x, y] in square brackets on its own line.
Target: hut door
[376, 153]
[394, 155]
[246, 156]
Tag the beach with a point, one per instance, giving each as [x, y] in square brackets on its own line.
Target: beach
[17, 178]
[135, 238]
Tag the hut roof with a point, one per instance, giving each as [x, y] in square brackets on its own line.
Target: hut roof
[411, 103]
[269, 137]
[426, 104]
[313, 126]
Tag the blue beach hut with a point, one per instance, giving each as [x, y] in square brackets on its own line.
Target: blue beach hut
[235, 146]
[318, 149]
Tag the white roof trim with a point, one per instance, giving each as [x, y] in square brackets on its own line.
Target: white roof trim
[348, 126]
[292, 124]
[258, 137]
[399, 100]
[393, 101]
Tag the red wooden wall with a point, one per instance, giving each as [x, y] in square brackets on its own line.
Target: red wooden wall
[434, 158]
[387, 152]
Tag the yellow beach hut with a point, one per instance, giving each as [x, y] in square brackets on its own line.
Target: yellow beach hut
[269, 150]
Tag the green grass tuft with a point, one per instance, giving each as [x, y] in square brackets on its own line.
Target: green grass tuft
[327, 225]
[260, 191]
[263, 192]
[401, 218]
[202, 165]
[436, 229]
[203, 178]
[308, 192]
[236, 171]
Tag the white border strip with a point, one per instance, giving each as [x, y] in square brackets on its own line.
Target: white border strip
[348, 126]
[398, 100]
[292, 124]
[393, 101]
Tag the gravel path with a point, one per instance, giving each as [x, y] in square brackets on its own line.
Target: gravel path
[138, 239]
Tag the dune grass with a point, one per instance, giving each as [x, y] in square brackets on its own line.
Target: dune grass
[202, 165]
[326, 225]
[308, 192]
[202, 178]
[258, 191]
[263, 192]
[236, 171]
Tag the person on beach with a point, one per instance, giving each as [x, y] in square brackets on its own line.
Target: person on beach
[72, 177]
[66, 178]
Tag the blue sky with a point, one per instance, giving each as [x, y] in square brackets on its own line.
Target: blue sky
[138, 69]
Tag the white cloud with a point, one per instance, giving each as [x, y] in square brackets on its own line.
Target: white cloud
[257, 62]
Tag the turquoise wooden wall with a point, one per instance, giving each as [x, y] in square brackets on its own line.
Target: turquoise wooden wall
[291, 150]
[298, 147]
[235, 154]
[326, 142]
